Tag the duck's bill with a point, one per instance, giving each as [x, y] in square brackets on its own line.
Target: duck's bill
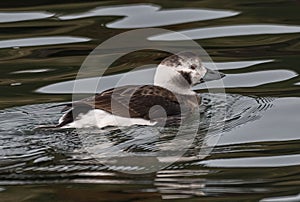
[211, 75]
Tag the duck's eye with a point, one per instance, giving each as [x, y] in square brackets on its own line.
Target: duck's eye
[193, 67]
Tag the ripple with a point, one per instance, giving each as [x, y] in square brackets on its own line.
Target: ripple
[41, 41]
[30, 71]
[270, 127]
[176, 184]
[251, 79]
[139, 16]
[87, 85]
[292, 198]
[226, 31]
[16, 84]
[267, 161]
[22, 144]
[236, 65]
[23, 16]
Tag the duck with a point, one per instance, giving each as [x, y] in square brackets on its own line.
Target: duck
[170, 95]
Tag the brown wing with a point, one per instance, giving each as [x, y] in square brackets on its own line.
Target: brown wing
[135, 101]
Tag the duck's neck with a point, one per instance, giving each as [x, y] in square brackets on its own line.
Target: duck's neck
[170, 79]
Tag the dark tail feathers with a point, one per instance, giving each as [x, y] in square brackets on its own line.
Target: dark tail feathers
[74, 112]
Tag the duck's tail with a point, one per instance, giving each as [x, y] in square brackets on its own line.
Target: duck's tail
[73, 113]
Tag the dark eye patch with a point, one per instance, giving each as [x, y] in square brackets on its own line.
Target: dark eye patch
[193, 67]
[187, 76]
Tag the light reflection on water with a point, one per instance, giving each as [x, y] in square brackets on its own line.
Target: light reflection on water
[39, 41]
[226, 31]
[141, 16]
[257, 156]
[6, 17]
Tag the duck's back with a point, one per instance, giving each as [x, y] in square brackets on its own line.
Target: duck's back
[144, 102]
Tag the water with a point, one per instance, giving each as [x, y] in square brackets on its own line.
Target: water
[257, 156]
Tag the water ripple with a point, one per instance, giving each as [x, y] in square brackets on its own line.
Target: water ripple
[291, 198]
[30, 71]
[267, 161]
[41, 41]
[6, 17]
[141, 16]
[226, 31]
[251, 79]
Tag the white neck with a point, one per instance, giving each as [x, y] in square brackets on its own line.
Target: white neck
[170, 79]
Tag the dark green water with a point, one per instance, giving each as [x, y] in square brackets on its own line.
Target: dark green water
[255, 43]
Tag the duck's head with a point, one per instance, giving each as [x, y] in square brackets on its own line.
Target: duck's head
[182, 71]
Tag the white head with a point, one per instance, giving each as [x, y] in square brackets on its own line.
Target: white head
[178, 73]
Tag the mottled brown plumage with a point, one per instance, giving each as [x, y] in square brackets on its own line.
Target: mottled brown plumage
[133, 102]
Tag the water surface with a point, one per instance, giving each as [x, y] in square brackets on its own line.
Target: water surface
[257, 156]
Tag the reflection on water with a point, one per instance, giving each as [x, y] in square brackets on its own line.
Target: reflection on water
[42, 46]
[38, 41]
[283, 198]
[141, 16]
[6, 17]
[225, 31]
[30, 71]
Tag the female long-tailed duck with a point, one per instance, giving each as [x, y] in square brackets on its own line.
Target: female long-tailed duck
[170, 95]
